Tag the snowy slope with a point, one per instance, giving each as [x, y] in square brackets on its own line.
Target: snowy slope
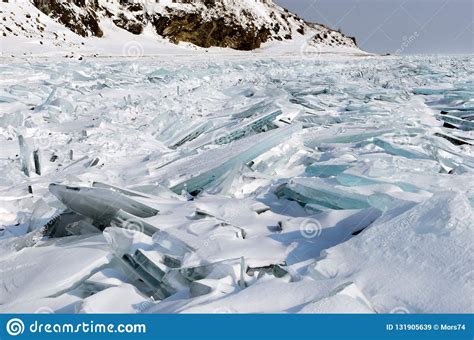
[23, 28]
[130, 28]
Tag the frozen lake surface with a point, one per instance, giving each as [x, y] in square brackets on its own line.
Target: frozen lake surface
[242, 186]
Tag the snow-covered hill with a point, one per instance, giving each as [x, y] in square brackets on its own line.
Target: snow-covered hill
[105, 26]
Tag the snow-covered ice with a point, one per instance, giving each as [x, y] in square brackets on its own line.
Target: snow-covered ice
[245, 185]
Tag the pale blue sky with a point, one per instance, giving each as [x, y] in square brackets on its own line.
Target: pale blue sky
[387, 26]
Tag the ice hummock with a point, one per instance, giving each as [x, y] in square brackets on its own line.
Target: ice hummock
[246, 186]
[436, 237]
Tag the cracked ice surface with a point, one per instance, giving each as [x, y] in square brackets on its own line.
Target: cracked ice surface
[246, 186]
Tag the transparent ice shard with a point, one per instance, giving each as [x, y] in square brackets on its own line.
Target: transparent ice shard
[159, 75]
[450, 155]
[310, 120]
[233, 130]
[152, 263]
[157, 191]
[99, 204]
[349, 179]
[31, 238]
[201, 287]
[228, 222]
[246, 128]
[47, 101]
[42, 213]
[161, 273]
[398, 150]
[191, 134]
[82, 76]
[68, 223]
[313, 91]
[305, 103]
[428, 91]
[63, 105]
[384, 202]
[315, 190]
[243, 267]
[388, 97]
[197, 273]
[209, 165]
[276, 270]
[123, 219]
[326, 170]
[462, 124]
[5, 99]
[221, 279]
[37, 161]
[352, 180]
[106, 207]
[228, 181]
[127, 192]
[454, 108]
[456, 140]
[159, 289]
[342, 135]
[459, 114]
[24, 155]
[257, 108]
[80, 227]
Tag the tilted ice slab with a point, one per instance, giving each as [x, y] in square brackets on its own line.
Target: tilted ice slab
[212, 164]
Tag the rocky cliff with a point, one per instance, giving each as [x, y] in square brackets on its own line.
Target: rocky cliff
[237, 24]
